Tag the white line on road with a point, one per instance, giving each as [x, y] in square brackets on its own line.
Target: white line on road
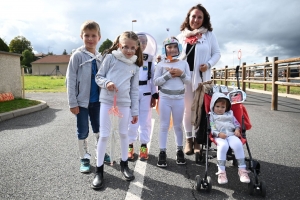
[136, 186]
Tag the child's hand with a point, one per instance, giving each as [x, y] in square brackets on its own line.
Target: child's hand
[237, 133]
[222, 135]
[153, 102]
[111, 86]
[175, 72]
[75, 110]
[134, 119]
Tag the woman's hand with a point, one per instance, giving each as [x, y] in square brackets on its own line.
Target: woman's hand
[134, 119]
[111, 86]
[222, 135]
[175, 72]
[75, 110]
[203, 67]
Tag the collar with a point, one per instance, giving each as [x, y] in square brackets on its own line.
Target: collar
[120, 56]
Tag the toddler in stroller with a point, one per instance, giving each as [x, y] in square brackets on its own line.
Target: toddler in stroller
[226, 132]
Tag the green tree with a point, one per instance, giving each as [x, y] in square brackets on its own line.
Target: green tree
[105, 45]
[3, 46]
[65, 52]
[19, 44]
[28, 57]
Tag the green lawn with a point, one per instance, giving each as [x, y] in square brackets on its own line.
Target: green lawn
[15, 104]
[44, 83]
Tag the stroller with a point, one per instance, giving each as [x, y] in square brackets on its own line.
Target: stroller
[204, 137]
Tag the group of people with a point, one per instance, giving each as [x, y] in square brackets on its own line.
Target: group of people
[127, 70]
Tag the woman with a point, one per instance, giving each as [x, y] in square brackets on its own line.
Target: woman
[202, 52]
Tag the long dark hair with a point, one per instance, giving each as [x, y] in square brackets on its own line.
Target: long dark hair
[128, 35]
[206, 22]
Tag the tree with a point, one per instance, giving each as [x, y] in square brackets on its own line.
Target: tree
[105, 45]
[65, 52]
[28, 57]
[3, 46]
[19, 44]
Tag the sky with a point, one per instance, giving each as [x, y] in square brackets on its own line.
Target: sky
[259, 28]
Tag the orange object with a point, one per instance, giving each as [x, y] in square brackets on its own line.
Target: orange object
[6, 96]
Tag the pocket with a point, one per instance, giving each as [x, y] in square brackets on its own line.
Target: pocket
[147, 93]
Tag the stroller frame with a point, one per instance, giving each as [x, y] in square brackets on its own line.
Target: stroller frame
[253, 165]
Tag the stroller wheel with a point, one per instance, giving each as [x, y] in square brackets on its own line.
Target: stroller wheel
[263, 188]
[209, 185]
[198, 183]
[251, 187]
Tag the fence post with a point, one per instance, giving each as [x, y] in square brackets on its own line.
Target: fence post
[226, 74]
[23, 83]
[244, 76]
[274, 102]
[288, 74]
[265, 78]
[214, 76]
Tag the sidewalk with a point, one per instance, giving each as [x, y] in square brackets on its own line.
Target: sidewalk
[23, 111]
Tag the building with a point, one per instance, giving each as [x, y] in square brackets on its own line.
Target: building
[51, 65]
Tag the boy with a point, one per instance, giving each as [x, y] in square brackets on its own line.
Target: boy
[83, 92]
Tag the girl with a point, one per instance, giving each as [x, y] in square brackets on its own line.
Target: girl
[171, 75]
[119, 73]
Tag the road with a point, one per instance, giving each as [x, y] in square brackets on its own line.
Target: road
[39, 158]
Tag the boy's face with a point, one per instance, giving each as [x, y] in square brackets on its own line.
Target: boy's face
[220, 108]
[90, 39]
[143, 42]
[172, 50]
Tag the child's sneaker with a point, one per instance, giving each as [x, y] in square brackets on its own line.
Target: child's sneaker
[130, 153]
[222, 178]
[180, 160]
[244, 178]
[85, 166]
[106, 158]
[162, 159]
[143, 153]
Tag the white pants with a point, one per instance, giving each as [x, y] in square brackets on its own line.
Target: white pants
[223, 146]
[105, 128]
[187, 117]
[168, 106]
[142, 128]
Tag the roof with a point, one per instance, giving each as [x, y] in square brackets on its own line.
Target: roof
[9, 53]
[53, 59]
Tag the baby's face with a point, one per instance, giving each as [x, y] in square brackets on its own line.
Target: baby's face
[220, 108]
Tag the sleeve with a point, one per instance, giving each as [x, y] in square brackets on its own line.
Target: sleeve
[153, 87]
[213, 127]
[186, 75]
[72, 79]
[215, 51]
[134, 93]
[159, 77]
[101, 79]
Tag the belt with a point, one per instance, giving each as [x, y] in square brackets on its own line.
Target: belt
[172, 92]
[143, 82]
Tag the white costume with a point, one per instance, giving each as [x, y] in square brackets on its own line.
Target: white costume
[142, 128]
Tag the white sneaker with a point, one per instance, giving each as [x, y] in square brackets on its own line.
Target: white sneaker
[222, 178]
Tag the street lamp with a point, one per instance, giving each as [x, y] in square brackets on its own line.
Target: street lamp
[134, 20]
[233, 57]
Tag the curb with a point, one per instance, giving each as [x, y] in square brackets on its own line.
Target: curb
[23, 111]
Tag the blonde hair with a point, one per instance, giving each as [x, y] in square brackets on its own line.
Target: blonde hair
[90, 25]
[128, 35]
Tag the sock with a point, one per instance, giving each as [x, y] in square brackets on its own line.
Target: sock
[130, 145]
[144, 145]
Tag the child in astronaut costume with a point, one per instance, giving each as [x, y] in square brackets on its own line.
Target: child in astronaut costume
[171, 74]
[226, 130]
[147, 98]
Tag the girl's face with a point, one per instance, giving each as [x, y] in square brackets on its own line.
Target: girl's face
[172, 50]
[196, 19]
[90, 39]
[143, 41]
[220, 108]
[128, 47]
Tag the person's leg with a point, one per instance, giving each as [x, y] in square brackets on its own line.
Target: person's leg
[222, 148]
[82, 134]
[237, 146]
[177, 114]
[164, 117]
[145, 125]
[187, 118]
[123, 132]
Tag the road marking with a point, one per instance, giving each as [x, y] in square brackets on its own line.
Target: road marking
[136, 186]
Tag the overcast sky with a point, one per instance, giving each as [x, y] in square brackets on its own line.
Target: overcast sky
[259, 28]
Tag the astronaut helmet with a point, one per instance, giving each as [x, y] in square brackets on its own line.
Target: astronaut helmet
[171, 48]
[148, 45]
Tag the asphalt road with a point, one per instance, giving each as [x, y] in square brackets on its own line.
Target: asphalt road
[39, 158]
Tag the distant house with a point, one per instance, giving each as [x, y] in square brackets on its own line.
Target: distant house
[51, 65]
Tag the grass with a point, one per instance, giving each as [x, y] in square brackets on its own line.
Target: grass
[15, 104]
[44, 83]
